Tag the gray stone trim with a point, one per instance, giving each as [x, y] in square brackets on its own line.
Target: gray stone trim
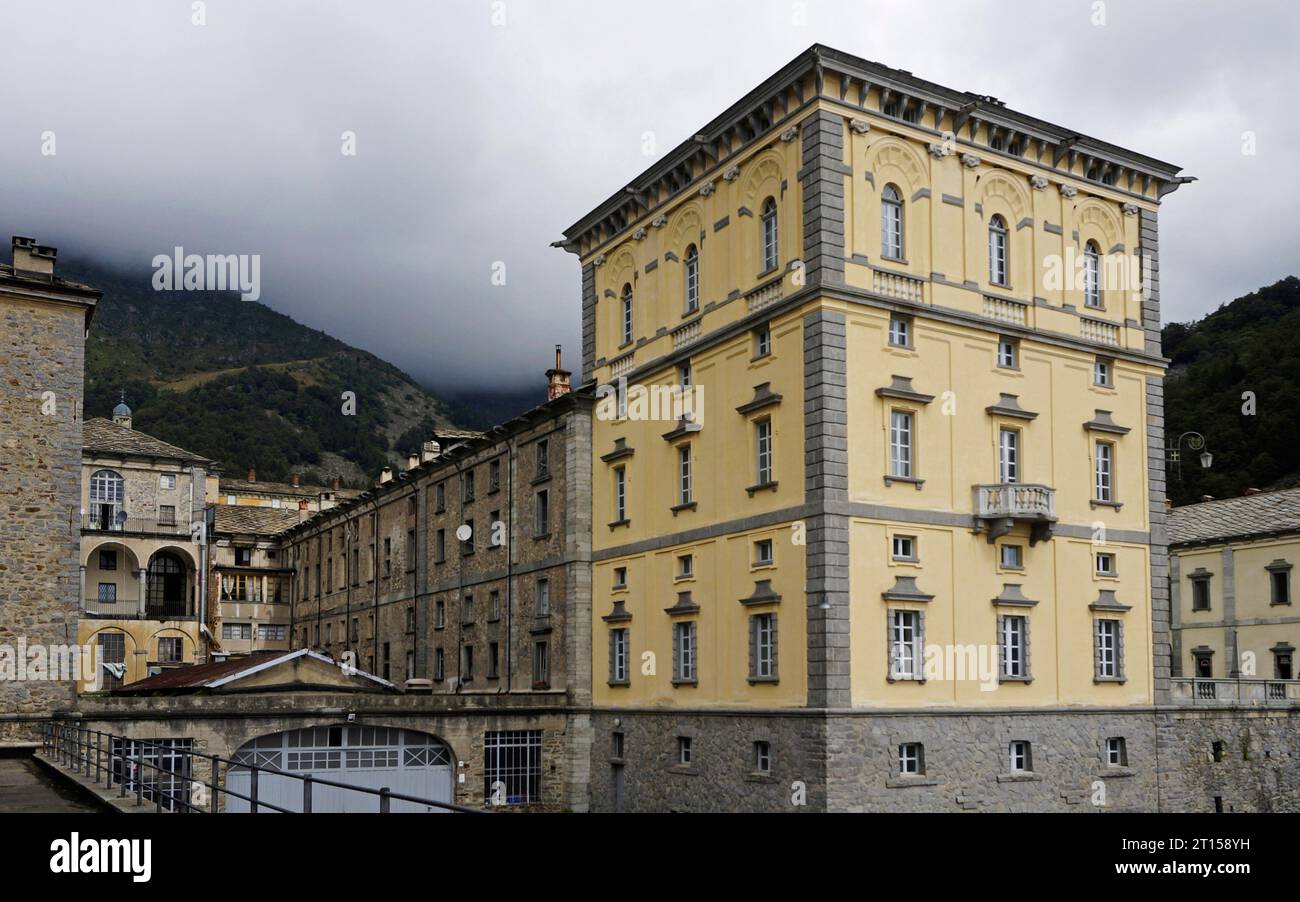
[901, 388]
[721, 223]
[825, 482]
[1175, 617]
[1230, 650]
[954, 200]
[1011, 596]
[588, 322]
[1102, 422]
[1009, 406]
[822, 178]
[1053, 228]
[651, 266]
[753, 649]
[763, 594]
[920, 194]
[905, 589]
[763, 398]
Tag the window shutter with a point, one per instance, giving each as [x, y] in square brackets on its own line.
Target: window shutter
[1029, 675]
[1002, 646]
[891, 647]
[753, 647]
[1119, 648]
[775, 672]
[1096, 649]
[677, 650]
[918, 659]
[613, 673]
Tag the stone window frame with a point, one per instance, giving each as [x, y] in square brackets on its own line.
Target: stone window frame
[627, 656]
[906, 329]
[1275, 569]
[679, 629]
[1003, 676]
[892, 675]
[1199, 653]
[754, 623]
[1119, 675]
[1201, 578]
[1122, 764]
[1283, 649]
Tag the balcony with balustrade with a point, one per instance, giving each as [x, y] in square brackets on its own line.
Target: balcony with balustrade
[1208, 692]
[1002, 506]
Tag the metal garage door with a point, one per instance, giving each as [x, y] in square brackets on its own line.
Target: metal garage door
[407, 762]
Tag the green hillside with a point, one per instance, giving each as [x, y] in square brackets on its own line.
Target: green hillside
[235, 381]
[1249, 345]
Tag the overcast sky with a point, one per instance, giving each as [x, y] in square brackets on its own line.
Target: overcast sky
[479, 142]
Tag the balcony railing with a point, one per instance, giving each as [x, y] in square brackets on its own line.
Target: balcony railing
[1006, 311]
[147, 525]
[1002, 505]
[1098, 331]
[763, 296]
[1227, 691]
[129, 609]
[894, 285]
[684, 335]
[621, 367]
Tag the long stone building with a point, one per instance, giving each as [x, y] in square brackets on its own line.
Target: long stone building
[926, 436]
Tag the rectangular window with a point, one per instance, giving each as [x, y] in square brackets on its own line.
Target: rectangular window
[1108, 650]
[1008, 455]
[620, 494]
[911, 759]
[542, 459]
[1105, 563]
[498, 537]
[440, 497]
[1019, 758]
[467, 544]
[108, 560]
[494, 476]
[618, 656]
[440, 615]
[620, 577]
[541, 665]
[900, 332]
[467, 609]
[684, 750]
[271, 632]
[762, 341]
[684, 652]
[167, 481]
[494, 605]
[1011, 557]
[166, 515]
[329, 574]
[905, 645]
[1280, 583]
[542, 514]
[1116, 752]
[763, 451]
[170, 650]
[1200, 595]
[356, 566]
[1101, 372]
[1104, 480]
[238, 631]
[467, 663]
[900, 444]
[388, 558]
[512, 766]
[684, 474]
[108, 593]
[763, 628]
[685, 566]
[440, 546]
[467, 486]
[1008, 353]
[543, 598]
[684, 374]
[627, 317]
[439, 665]
[410, 620]
[904, 548]
[494, 660]
[762, 757]
[410, 550]
[763, 553]
[1014, 638]
[356, 630]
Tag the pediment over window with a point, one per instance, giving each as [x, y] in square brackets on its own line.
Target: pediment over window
[905, 589]
[901, 388]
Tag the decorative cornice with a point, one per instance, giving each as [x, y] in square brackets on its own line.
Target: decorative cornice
[939, 150]
[1102, 422]
[1011, 596]
[620, 614]
[859, 126]
[763, 594]
[685, 426]
[969, 160]
[639, 235]
[1106, 601]
[905, 589]
[621, 450]
[732, 173]
[1009, 406]
[684, 605]
[901, 388]
[707, 189]
[790, 134]
[763, 397]
[1038, 182]
[1069, 191]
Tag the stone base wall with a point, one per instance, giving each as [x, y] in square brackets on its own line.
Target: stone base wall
[1258, 766]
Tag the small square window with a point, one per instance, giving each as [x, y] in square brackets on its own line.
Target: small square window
[1116, 752]
[763, 553]
[1105, 563]
[108, 560]
[762, 757]
[904, 548]
[1019, 758]
[1012, 557]
[1102, 373]
[900, 332]
[684, 750]
[167, 481]
[911, 759]
[762, 341]
[1008, 353]
[685, 566]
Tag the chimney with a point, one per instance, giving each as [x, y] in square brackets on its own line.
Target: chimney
[32, 259]
[557, 379]
[296, 479]
[412, 460]
[385, 475]
[430, 451]
[334, 483]
[252, 474]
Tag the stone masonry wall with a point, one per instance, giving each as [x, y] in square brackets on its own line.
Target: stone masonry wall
[41, 350]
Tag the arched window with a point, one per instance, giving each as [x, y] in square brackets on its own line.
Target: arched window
[769, 235]
[167, 590]
[891, 223]
[627, 314]
[998, 251]
[1092, 274]
[106, 494]
[692, 279]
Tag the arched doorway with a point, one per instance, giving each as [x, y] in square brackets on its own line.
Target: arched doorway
[168, 592]
[406, 761]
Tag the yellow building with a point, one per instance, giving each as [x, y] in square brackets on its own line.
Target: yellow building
[142, 503]
[917, 470]
[1234, 630]
[251, 578]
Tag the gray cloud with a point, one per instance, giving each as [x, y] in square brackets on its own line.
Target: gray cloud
[479, 143]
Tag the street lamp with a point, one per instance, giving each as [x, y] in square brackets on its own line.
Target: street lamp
[1195, 442]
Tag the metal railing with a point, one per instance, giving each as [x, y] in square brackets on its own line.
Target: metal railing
[129, 609]
[85, 751]
[149, 525]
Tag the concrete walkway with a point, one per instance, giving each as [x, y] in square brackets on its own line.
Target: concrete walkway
[26, 787]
